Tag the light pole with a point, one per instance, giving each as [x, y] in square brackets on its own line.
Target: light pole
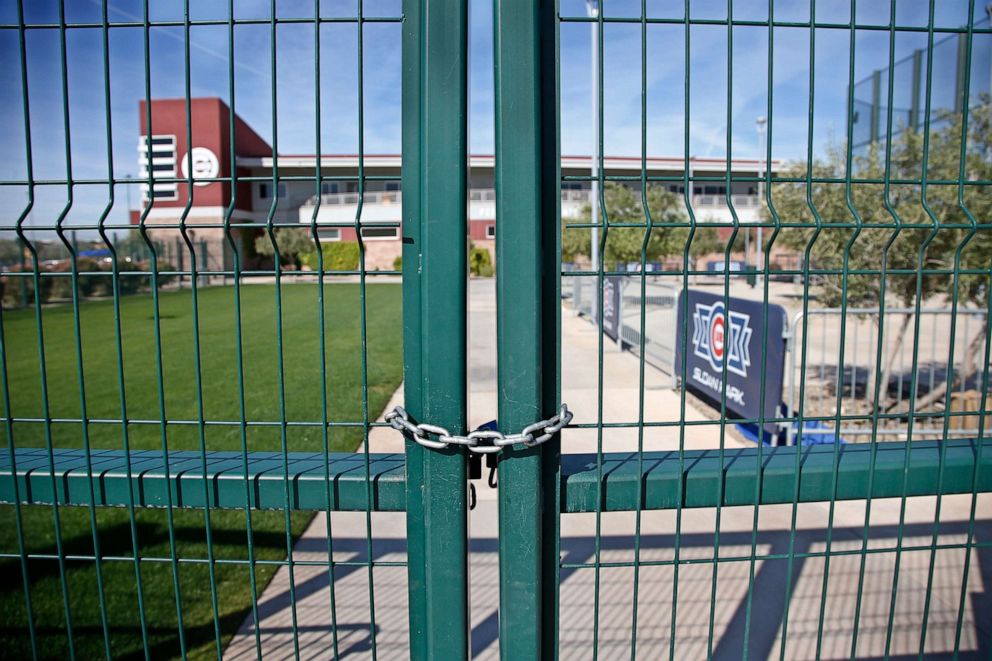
[592, 8]
[759, 124]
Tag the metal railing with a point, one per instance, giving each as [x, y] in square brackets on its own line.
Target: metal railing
[396, 197]
[174, 463]
[489, 195]
[660, 314]
[814, 336]
[659, 305]
[720, 201]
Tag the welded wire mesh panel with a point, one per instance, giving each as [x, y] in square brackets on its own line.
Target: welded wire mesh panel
[199, 330]
[793, 197]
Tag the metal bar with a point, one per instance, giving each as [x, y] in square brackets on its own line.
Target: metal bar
[527, 295]
[683, 391]
[363, 313]
[642, 328]
[599, 305]
[321, 329]
[435, 268]
[881, 346]
[39, 329]
[804, 347]
[239, 338]
[220, 483]
[11, 459]
[72, 247]
[846, 258]
[918, 303]
[197, 344]
[157, 320]
[118, 332]
[961, 97]
[707, 484]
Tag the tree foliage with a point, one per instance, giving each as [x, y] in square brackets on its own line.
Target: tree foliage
[293, 244]
[479, 263]
[338, 256]
[865, 223]
[875, 212]
[624, 205]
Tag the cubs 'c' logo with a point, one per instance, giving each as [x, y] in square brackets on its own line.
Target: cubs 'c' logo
[712, 340]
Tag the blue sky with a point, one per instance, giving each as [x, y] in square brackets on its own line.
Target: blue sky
[295, 88]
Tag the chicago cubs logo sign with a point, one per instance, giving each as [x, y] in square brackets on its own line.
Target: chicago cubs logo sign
[715, 342]
[722, 333]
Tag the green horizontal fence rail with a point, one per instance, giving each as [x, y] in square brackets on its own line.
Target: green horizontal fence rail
[627, 477]
[653, 480]
[142, 475]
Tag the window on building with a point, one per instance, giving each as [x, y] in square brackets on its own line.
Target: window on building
[329, 234]
[329, 188]
[265, 191]
[392, 185]
[380, 233]
[157, 156]
[490, 231]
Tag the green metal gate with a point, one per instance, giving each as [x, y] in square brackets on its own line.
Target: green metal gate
[204, 459]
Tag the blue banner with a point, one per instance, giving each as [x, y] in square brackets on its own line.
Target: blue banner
[715, 337]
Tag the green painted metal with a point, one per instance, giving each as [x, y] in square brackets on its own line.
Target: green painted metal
[527, 295]
[651, 480]
[684, 479]
[537, 485]
[337, 484]
[435, 267]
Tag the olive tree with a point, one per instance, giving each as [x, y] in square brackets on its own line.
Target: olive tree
[881, 218]
[293, 244]
[624, 205]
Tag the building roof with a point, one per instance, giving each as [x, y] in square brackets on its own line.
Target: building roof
[632, 163]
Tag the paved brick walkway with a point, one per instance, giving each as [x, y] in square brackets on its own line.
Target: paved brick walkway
[695, 581]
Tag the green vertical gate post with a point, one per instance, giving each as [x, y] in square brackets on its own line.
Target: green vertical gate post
[435, 272]
[528, 315]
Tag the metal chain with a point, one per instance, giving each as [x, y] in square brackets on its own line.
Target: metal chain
[481, 441]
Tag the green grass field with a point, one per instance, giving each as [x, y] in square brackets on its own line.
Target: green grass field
[221, 403]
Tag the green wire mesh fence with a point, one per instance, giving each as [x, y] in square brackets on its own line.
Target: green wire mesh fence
[180, 396]
[880, 232]
[778, 359]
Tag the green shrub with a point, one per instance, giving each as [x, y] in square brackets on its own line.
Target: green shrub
[478, 262]
[16, 291]
[56, 282]
[398, 263]
[294, 244]
[133, 284]
[93, 285]
[58, 288]
[338, 256]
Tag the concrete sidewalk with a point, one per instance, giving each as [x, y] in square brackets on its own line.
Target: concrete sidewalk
[731, 623]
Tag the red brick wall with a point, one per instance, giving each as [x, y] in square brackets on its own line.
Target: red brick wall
[210, 123]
